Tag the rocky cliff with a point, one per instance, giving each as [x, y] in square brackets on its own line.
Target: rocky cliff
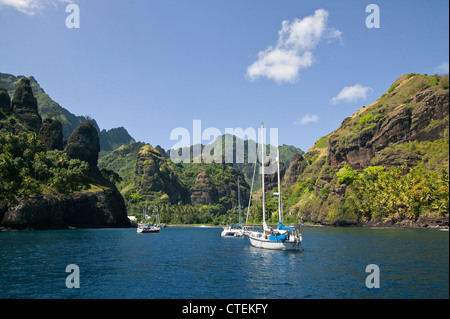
[413, 109]
[94, 209]
[386, 165]
[153, 173]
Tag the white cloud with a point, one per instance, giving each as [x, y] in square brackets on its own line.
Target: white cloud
[308, 118]
[30, 7]
[442, 68]
[293, 50]
[352, 94]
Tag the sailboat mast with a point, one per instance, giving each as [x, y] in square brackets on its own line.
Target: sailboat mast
[251, 192]
[280, 216]
[239, 201]
[145, 212]
[262, 175]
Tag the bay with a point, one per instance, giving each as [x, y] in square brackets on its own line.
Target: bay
[197, 263]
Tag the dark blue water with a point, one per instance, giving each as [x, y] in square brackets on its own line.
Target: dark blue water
[197, 263]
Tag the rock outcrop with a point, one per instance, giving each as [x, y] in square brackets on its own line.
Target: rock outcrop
[203, 191]
[295, 169]
[100, 209]
[51, 135]
[154, 174]
[5, 102]
[84, 144]
[421, 116]
[218, 184]
[25, 107]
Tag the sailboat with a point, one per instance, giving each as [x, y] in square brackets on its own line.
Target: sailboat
[282, 238]
[235, 230]
[146, 227]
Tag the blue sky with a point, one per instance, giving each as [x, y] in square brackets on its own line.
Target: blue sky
[152, 66]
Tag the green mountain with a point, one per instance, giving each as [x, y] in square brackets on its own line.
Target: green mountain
[286, 153]
[387, 164]
[148, 173]
[47, 108]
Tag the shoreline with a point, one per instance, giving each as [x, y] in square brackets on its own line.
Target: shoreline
[433, 224]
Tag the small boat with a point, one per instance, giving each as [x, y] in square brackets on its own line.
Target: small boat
[282, 238]
[146, 227]
[235, 230]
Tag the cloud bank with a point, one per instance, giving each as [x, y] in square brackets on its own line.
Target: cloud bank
[442, 68]
[308, 118]
[31, 7]
[293, 50]
[352, 94]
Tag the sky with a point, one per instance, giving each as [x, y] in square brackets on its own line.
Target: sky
[153, 66]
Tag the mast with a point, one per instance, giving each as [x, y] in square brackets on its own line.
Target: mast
[145, 213]
[239, 201]
[251, 192]
[262, 176]
[280, 216]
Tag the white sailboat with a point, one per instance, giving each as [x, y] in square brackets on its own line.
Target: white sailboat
[146, 227]
[235, 230]
[282, 238]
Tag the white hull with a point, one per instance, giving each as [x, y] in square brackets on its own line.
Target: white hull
[232, 233]
[275, 245]
[147, 229]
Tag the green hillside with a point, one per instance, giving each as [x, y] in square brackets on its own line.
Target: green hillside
[386, 164]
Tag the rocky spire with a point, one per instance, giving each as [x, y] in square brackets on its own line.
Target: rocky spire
[51, 135]
[25, 107]
[5, 101]
[84, 144]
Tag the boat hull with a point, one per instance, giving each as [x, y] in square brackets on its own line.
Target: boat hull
[232, 233]
[148, 231]
[274, 245]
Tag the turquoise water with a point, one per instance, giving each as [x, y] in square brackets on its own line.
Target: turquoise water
[197, 263]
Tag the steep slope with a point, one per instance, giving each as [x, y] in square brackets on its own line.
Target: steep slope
[387, 164]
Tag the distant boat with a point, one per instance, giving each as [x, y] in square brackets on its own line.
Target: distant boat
[235, 230]
[443, 229]
[145, 227]
[282, 238]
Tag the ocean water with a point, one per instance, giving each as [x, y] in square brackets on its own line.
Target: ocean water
[197, 263]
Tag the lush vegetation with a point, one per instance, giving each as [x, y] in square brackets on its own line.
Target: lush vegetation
[380, 193]
[26, 169]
